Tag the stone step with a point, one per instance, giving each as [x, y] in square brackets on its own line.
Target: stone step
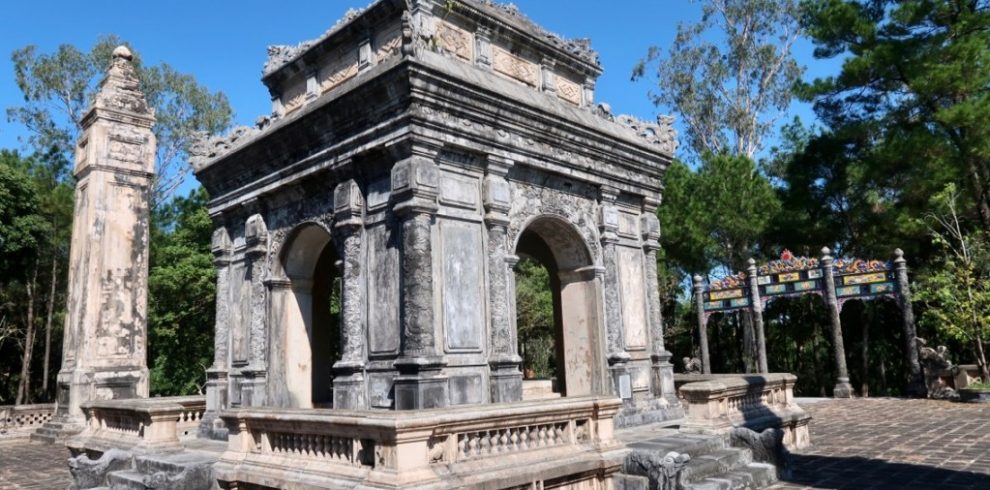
[753, 475]
[126, 480]
[52, 432]
[690, 444]
[714, 463]
[173, 464]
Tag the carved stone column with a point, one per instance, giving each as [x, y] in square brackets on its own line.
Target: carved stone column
[699, 303]
[253, 391]
[757, 309]
[503, 358]
[217, 374]
[420, 383]
[349, 390]
[842, 387]
[915, 380]
[663, 370]
[618, 358]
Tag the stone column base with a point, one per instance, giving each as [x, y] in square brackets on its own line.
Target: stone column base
[253, 388]
[349, 387]
[621, 382]
[420, 384]
[506, 380]
[217, 386]
[663, 378]
[842, 389]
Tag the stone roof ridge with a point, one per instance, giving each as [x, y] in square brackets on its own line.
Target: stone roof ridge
[206, 148]
[280, 55]
[660, 133]
[579, 47]
[120, 88]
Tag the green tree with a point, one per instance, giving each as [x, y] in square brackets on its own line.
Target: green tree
[915, 85]
[24, 234]
[956, 290]
[535, 317]
[729, 92]
[58, 89]
[182, 295]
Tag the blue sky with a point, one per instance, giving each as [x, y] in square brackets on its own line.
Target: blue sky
[222, 43]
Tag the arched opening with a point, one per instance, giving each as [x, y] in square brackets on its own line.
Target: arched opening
[561, 342]
[306, 316]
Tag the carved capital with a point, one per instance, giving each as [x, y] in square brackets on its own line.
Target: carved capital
[650, 225]
[255, 235]
[348, 205]
[415, 186]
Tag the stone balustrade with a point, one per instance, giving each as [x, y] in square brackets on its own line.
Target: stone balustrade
[141, 425]
[17, 421]
[717, 403]
[566, 439]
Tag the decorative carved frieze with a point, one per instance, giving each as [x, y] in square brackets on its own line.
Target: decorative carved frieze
[294, 96]
[454, 40]
[568, 91]
[515, 67]
[337, 71]
[387, 45]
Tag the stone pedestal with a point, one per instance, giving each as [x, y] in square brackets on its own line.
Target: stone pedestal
[104, 353]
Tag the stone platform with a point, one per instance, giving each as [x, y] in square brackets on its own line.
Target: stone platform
[857, 443]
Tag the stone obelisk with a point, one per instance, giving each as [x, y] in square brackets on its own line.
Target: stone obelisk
[103, 353]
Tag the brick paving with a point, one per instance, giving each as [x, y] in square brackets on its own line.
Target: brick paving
[889, 443]
[856, 444]
[33, 465]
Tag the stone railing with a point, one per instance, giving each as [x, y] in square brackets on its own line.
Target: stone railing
[143, 424]
[21, 420]
[717, 403]
[515, 444]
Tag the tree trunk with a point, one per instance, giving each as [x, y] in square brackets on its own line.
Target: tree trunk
[24, 386]
[982, 358]
[48, 323]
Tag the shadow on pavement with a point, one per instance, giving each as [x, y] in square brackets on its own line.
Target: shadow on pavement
[856, 472]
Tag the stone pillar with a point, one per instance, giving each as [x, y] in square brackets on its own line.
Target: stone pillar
[217, 375]
[349, 381]
[842, 387]
[663, 370]
[699, 302]
[915, 380]
[106, 323]
[503, 358]
[254, 391]
[421, 382]
[757, 309]
[618, 358]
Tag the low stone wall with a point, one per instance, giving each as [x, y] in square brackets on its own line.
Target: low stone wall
[140, 425]
[565, 443]
[718, 403]
[19, 421]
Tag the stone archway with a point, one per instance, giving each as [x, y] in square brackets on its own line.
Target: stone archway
[305, 337]
[576, 290]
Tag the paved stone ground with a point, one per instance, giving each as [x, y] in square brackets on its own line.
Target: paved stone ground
[888, 443]
[33, 465]
[857, 444]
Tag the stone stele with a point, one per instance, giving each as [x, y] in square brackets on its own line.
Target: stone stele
[103, 354]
